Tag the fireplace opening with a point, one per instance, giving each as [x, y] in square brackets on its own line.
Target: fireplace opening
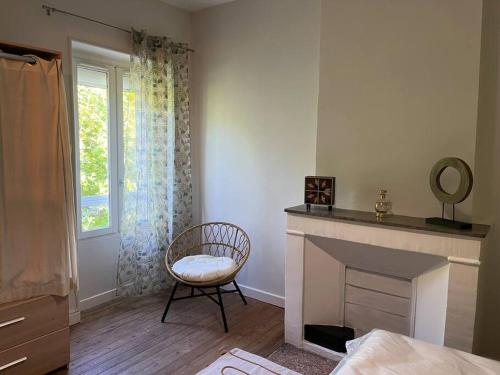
[352, 288]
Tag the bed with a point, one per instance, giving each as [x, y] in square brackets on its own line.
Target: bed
[382, 352]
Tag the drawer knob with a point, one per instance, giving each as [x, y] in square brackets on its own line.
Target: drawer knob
[10, 322]
[13, 363]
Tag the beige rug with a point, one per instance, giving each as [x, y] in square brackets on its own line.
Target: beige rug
[301, 361]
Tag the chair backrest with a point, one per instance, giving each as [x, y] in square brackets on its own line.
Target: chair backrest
[216, 238]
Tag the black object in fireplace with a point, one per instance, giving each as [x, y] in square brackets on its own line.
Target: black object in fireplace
[331, 337]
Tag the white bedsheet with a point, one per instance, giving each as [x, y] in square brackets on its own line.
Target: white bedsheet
[382, 352]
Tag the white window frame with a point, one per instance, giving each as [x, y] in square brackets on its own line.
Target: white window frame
[115, 72]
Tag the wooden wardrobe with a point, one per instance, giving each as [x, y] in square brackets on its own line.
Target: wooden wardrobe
[34, 333]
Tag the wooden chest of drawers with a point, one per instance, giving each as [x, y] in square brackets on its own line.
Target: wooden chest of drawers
[34, 335]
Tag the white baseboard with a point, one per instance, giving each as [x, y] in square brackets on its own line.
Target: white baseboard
[262, 295]
[98, 299]
[74, 317]
[248, 291]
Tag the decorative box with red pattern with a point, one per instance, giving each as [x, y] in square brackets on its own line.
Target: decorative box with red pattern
[319, 190]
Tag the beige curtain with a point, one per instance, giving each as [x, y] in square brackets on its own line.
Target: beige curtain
[37, 216]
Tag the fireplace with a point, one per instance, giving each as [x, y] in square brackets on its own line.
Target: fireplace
[347, 268]
[374, 287]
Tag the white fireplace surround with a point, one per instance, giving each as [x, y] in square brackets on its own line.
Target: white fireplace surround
[441, 268]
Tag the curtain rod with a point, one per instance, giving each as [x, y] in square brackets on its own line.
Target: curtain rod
[49, 11]
[10, 56]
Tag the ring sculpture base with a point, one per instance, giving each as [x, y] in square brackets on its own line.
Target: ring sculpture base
[448, 223]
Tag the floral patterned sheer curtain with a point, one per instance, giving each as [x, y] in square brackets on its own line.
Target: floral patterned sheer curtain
[157, 190]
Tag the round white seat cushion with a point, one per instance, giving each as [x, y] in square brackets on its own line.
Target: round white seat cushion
[203, 268]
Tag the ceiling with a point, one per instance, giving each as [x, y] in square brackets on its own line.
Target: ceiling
[195, 5]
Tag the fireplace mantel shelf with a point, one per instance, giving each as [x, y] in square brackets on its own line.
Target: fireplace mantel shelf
[399, 221]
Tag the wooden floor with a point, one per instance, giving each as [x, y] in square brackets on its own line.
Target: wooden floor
[127, 337]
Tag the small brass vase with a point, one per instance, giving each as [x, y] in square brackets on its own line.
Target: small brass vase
[383, 206]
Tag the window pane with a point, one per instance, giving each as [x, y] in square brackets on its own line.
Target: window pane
[93, 107]
[129, 138]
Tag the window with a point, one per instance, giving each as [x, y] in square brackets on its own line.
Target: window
[105, 124]
[93, 121]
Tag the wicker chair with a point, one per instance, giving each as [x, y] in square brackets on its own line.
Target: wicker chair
[217, 239]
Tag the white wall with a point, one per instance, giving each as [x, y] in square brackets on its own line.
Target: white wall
[398, 91]
[25, 22]
[255, 87]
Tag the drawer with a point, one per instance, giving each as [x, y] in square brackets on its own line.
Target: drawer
[386, 284]
[28, 319]
[365, 319]
[379, 301]
[37, 356]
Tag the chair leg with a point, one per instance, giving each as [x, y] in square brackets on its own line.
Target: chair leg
[222, 309]
[239, 291]
[169, 301]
